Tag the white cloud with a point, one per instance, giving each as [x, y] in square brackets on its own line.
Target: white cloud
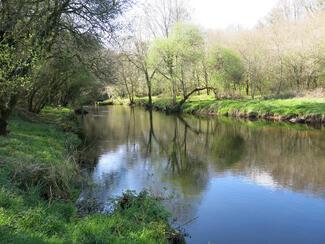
[214, 14]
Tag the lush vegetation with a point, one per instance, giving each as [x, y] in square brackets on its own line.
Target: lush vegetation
[283, 56]
[70, 53]
[40, 182]
[302, 109]
[52, 52]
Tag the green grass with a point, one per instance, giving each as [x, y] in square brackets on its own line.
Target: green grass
[36, 142]
[138, 218]
[114, 101]
[261, 107]
[56, 113]
[39, 185]
[296, 107]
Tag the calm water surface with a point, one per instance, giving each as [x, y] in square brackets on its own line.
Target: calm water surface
[229, 181]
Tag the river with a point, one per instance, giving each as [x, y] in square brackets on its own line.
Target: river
[224, 180]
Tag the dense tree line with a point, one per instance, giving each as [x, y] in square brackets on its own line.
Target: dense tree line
[51, 50]
[284, 54]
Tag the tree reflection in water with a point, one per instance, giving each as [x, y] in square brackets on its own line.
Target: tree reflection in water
[183, 153]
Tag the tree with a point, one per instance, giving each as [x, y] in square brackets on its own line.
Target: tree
[226, 67]
[179, 56]
[162, 15]
[137, 55]
[74, 74]
[28, 30]
[156, 20]
[129, 75]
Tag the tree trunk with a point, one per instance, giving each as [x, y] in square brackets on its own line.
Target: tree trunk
[281, 79]
[172, 79]
[191, 93]
[3, 126]
[247, 87]
[252, 87]
[198, 82]
[206, 79]
[150, 97]
[183, 82]
[174, 92]
[5, 113]
[30, 101]
[4, 116]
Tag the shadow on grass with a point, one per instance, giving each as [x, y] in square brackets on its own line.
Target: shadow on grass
[8, 235]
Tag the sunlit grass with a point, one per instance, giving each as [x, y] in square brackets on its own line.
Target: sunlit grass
[30, 141]
[258, 107]
[39, 185]
[136, 219]
[261, 107]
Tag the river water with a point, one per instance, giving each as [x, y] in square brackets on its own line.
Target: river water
[225, 181]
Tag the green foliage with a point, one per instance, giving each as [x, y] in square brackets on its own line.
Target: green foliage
[159, 103]
[57, 114]
[286, 107]
[72, 76]
[30, 140]
[38, 179]
[36, 154]
[65, 118]
[177, 56]
[114, 101]
[188, 41]
[138, 218]
[246, 107]
[226, 67]
[141, 220]
[43, 55]
[26, 217]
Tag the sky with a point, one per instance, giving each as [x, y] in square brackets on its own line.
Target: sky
[221, 14]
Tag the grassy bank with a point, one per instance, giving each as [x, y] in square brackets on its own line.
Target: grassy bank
[39, 185]
[114, 101]
[298, 110]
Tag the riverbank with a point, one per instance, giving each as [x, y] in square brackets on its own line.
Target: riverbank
[40, 183]
[295, 110]
[113, 101]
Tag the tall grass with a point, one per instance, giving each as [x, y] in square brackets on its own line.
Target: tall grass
[39, 186]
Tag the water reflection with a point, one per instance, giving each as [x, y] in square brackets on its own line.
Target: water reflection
[200, 160]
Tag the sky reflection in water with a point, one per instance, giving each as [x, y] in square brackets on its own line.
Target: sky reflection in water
[240, 182]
